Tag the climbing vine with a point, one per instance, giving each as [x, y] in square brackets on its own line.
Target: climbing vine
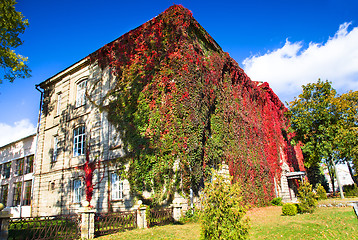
[183, 106]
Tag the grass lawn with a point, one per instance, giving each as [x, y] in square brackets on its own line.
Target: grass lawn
[324, 223]
[267, 223]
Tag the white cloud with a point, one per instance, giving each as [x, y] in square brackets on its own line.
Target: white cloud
[288, 68]
[20, 129]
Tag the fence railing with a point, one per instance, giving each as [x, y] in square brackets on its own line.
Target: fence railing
[53, 227]
[85, 225]
[159, 217]
[108, 223]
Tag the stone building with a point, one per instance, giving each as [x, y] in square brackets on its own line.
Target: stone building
[77, 100]
[16, 180]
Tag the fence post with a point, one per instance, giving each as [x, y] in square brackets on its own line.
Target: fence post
[4, 223]
[87, 223]
[141, 215]
[176, 210]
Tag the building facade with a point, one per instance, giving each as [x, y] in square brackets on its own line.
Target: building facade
[78, 100]
[16, 180]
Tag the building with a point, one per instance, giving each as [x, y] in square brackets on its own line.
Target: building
[140, 73]
[17, 166]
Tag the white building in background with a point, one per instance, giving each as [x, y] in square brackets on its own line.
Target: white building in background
[343, 174]
[16, 175]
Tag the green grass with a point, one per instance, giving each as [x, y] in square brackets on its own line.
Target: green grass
[267, 223]
[324, 223]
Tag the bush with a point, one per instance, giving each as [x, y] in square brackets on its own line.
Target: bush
[307, 198]
[321, 192]
[192, 215]
[289, 209]
[277, 201]
[350, 190]
[223, 212]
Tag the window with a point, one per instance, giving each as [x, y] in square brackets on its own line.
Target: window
[7, 167]
[19, 167]
[116, 187]
[27, 197]
[17, 194]
[55, 149]
[58, 107]
[79, 141]
[80, 96]
[29, 164]
[4, 192]
[77, 191]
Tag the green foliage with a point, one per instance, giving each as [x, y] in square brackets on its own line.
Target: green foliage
[277, 201]
[350, 190]
[313, 120]
[321, 192]
[326, 125]
[223, 214]
[307, 198]
[289, 209]
[12, 23]
[192, 215]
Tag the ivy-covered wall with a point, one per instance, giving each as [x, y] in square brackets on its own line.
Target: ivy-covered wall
[183, 106]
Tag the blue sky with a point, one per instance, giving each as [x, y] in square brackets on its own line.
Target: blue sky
[286, 43]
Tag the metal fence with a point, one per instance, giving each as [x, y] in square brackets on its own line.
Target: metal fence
[108, 223]
[53, 227]
[159, 217]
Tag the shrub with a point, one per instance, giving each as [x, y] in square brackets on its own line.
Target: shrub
[321, 192]
[307, 198]
[192, 215]
[350, 190]
[223, 212]
[277, 201]
[289, 209]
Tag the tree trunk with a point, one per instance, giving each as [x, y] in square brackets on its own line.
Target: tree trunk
[331, 175]
[351, 173]
[338, 181]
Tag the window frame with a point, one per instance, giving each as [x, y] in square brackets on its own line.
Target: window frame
[116, 187]
[4, 189]
[7, 170]
[29, 165]
[77, 190]
[19, 166]
[26, 201]
[55, 149]
[79, 141]
[81, 93]
[58, 104]
[16, 197]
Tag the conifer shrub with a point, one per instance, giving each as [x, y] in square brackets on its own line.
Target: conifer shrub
[307, 198]
[289, 209]
[223, 212]
[321, 192]
[277, 201]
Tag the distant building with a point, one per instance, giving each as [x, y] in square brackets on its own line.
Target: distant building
[16, 180]
[343, 174]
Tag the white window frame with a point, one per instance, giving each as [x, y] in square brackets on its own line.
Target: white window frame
[58, 110]
[55, 149]
[80, 93]
[116, 187]
[77, 190]
[79, 141]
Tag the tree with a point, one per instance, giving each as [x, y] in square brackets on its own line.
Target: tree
[316, 120]
[347, 132]
[12, 23]
[223, 213]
